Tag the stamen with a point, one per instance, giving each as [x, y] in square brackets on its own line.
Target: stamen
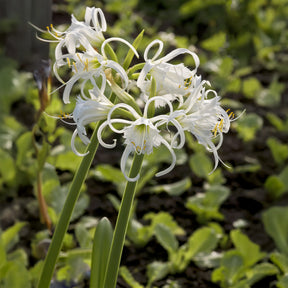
[68, 61]
[75, 67]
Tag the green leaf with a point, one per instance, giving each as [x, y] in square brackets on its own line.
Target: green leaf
[206, 205]
[11, 235]
[166, 238]
[173, 189]
[278, 149]
[101, 248]
[280, 260]
[259, 272]
[108, 173]
[200, 164]
[275, 222]
[7, 167]
[16, 269]
[283, 282]
[128, 278]
[203, 240]
[231, 269]
[130, 53]
[251, 87]
[274, 186]
[157, 271]
[271, 97]
[248, 125]
[24, 149]
[215, 42]
[250, 251]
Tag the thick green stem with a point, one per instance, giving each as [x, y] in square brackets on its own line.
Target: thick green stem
[122, 225]
[62, 225]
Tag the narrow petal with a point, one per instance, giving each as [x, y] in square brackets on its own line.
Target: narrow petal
[170, 168]
[73, 145]
[124, 158]
[158, 52]
[120, 40]
[99, 136]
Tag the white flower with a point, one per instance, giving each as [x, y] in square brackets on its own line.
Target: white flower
[172, 81]
[90, 65]
[86, 112]
[80, 34]
[205, 119]
[143, 134]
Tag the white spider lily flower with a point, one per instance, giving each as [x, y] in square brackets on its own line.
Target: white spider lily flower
[90, 65]
[172, 81]
[143, 134]
[206, 120]
[79, 34]
[86, 112]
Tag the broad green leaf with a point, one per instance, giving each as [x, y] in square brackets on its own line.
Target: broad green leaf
[24, 150]
[83, 236]
[251, 87]
[74, 268]
[274, 186]
[250, 251]
[275, 221]
[100, 252]
[215, 42]
[107, 172]
[16, 269]
[280, 260]
[203, 240]
[283, 176]
[166, 219]
[277, 122]
[200, 164]
[206, 205]
[271, 96]
[260, 271]
[231, 269]
[10, 129]
[7, 167]
[173, 189]
[278, 149]
[128, 278]
[157, 271]
[11, 235]
[248, 125]
[166, 238]
[283, 282]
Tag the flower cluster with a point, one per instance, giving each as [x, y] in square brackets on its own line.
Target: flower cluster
[169, 99]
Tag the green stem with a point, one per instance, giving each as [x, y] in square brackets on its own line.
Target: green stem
[63, 222]
[122, 225]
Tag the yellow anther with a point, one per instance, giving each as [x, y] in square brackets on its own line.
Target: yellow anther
[48, 28]
[220, 126]
[68, 61]
[214, 131]
[75, 67]
[86, 65]
[231, 115]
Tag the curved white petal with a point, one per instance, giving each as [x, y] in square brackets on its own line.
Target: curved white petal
[178, 52]
[170, 168]
[75, 133]
[119, 40]
[99, 136]
[124, 158]
[118, 68]
[158, 52]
